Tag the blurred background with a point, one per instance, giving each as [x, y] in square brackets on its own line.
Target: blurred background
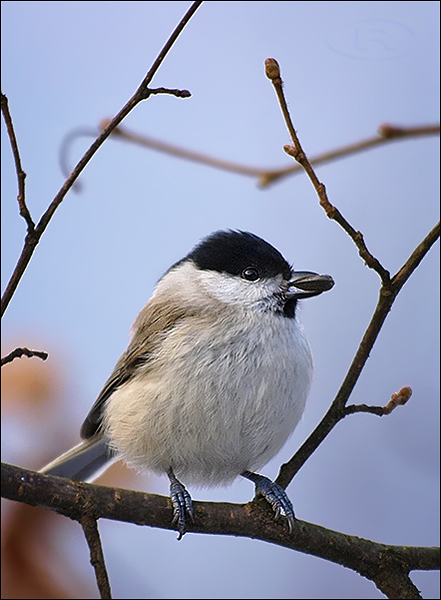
[348, 67]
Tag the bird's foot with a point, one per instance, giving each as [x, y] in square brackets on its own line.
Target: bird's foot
[181, 503]
[275, 495]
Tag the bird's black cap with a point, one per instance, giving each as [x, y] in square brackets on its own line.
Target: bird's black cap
[233, 251]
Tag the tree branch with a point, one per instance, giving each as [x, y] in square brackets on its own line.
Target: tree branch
[90, 528]
[265, 176]
[273, 73]
[19, 352]
[397, 399]
[21, 175]
[400, 278]
[386, 133]
[381, 563]
[142, 93]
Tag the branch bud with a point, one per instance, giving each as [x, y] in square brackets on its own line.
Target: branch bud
[272, 69]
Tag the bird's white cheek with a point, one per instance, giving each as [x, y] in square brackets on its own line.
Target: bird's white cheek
[233, 290]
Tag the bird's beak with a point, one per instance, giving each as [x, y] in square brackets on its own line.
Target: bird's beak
[305, 284]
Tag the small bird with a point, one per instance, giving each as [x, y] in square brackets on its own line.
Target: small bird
[214, 379]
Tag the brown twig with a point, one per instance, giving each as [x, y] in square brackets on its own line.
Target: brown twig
[388, 292]
[296, 151]
[175, 92]
[400, 278]
[199, 157]
[397, 399]
[265, 176]
[142, 93]
[19, 352]
[90, 528]
[386, 565]
[21, 175]
[386, 133]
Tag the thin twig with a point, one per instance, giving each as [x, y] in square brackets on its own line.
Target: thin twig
[65, 146]
[397, 399]
[175, 92]
[21, 175]
[19, 352]
[265, 175]
[296, 151]
[400, 278]
[141, 93]
[199, 157]
[386, 133]
[90, 528]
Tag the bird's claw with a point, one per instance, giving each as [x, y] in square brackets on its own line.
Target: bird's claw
[275, 495]
[182, 505]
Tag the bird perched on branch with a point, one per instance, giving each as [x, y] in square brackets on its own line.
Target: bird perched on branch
[215, 377]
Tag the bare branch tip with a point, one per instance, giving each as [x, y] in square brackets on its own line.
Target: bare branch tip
[272, 69]
[19, 352]
[398, 399]
[185, 94]
[145, 92]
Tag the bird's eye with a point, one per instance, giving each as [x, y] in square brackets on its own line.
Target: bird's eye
[250, 273]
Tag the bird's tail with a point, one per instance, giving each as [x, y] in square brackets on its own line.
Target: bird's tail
[84, 462]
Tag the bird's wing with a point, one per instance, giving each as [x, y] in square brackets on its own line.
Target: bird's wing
[153, 320]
